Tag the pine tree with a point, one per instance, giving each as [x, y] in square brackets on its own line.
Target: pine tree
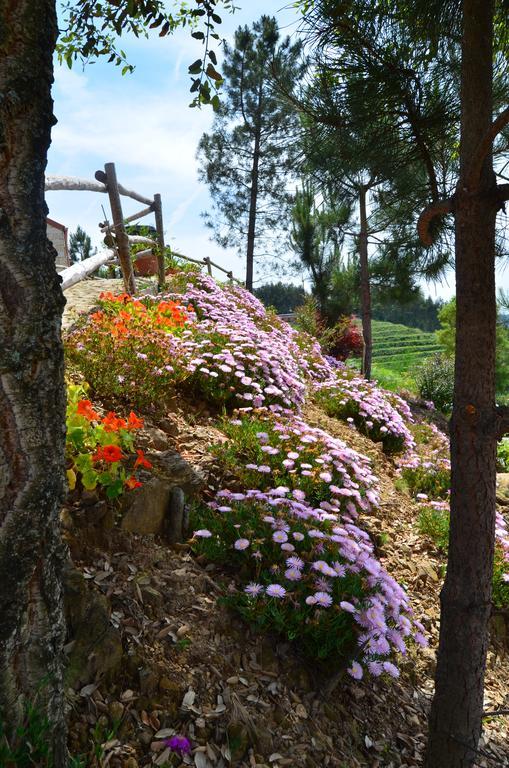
[246, 160]
[316, 237]
[429, 65]
[80, 245]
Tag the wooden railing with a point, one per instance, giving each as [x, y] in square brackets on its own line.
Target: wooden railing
[116, 235]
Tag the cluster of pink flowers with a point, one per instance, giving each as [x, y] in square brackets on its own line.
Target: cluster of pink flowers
[236, 348]
[382, 415]
[306, 556]
[313, 463]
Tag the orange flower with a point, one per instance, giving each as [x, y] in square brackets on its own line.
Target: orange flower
[112, 423]
[132, 483]
[97, 317]
[84, 408]
[133, 422]
[142, 461]
[109, 453]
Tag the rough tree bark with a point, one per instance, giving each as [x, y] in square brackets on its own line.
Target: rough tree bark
[456, 714]
[32, 400]
[365, 289]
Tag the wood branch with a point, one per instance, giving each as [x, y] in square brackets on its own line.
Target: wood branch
[82, 269]
[101, 176]
[431, 212]
[486, 146]
[76, 184]
[502, 421]
[139, 215]
[158, 211]
[72, 184]
[141, 239]
[140, 254]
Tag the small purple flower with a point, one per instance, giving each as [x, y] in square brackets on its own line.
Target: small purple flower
[355, 670]
[203, 533]
[293, 574]
[179, 744]
[323, 599]
[241, 544]
[295, 562]
[346, 606]
[275, 590]
[279, 537]
[253, 590]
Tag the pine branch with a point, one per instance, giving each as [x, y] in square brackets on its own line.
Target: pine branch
[486, 145]
[430, 213]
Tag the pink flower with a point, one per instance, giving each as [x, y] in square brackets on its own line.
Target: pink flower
[355, 671]
[275, 590]
[241, 544]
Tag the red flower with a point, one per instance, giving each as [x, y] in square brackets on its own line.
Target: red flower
[112, 423]
[109, 453]
[132, 483]
[133, 422]
[141, 461]
[84, 408]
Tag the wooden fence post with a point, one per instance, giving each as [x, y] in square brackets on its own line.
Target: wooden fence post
[158, 211]
[109, 177]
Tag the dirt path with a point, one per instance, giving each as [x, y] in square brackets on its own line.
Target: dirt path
[83, 296]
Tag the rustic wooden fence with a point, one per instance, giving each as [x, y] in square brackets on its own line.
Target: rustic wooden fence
[116, 236]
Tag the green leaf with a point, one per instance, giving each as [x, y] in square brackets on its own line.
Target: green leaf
[195, 67]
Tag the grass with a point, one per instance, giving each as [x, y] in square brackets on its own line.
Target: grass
[397, 350]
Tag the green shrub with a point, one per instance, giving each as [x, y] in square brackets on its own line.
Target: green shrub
[435, 381]
[503, 455]
[434, 523]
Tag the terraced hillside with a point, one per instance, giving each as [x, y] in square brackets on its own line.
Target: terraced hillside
[397, 349]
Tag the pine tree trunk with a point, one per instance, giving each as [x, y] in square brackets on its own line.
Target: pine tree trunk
[365, 289]
[32, 398]
[253, 201]
[456, 715]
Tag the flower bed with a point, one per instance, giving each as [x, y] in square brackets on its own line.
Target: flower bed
[310, 575]
[377, 413]
[294, 536]
[266, 452]
[98, 448]
[214, 342]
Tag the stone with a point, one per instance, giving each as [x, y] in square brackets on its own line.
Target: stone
[238, 740]
[96, 651]
[157, 437]
[149, 509]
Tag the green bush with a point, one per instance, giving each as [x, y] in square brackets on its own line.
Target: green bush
[435, 381]
[503, 455]
[434, 523]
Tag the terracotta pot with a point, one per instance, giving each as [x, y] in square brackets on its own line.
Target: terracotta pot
[145, 266]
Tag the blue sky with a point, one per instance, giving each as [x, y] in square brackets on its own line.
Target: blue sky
[142, 122]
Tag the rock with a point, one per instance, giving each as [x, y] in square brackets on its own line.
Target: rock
[148, 681]
[96, 652]
[158, 439]
[149, 509]
[116, 710]
[175, 518]
[238, 739]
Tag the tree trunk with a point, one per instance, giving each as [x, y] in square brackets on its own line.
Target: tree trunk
[32, 397]
[253, 201]
[456, 714]
[365, 289]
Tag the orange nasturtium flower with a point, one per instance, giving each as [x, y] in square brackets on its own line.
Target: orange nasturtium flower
[142, 461]
[84, 408]
[132, 483]
[133, 422]
[112, 422]
[110, 453]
